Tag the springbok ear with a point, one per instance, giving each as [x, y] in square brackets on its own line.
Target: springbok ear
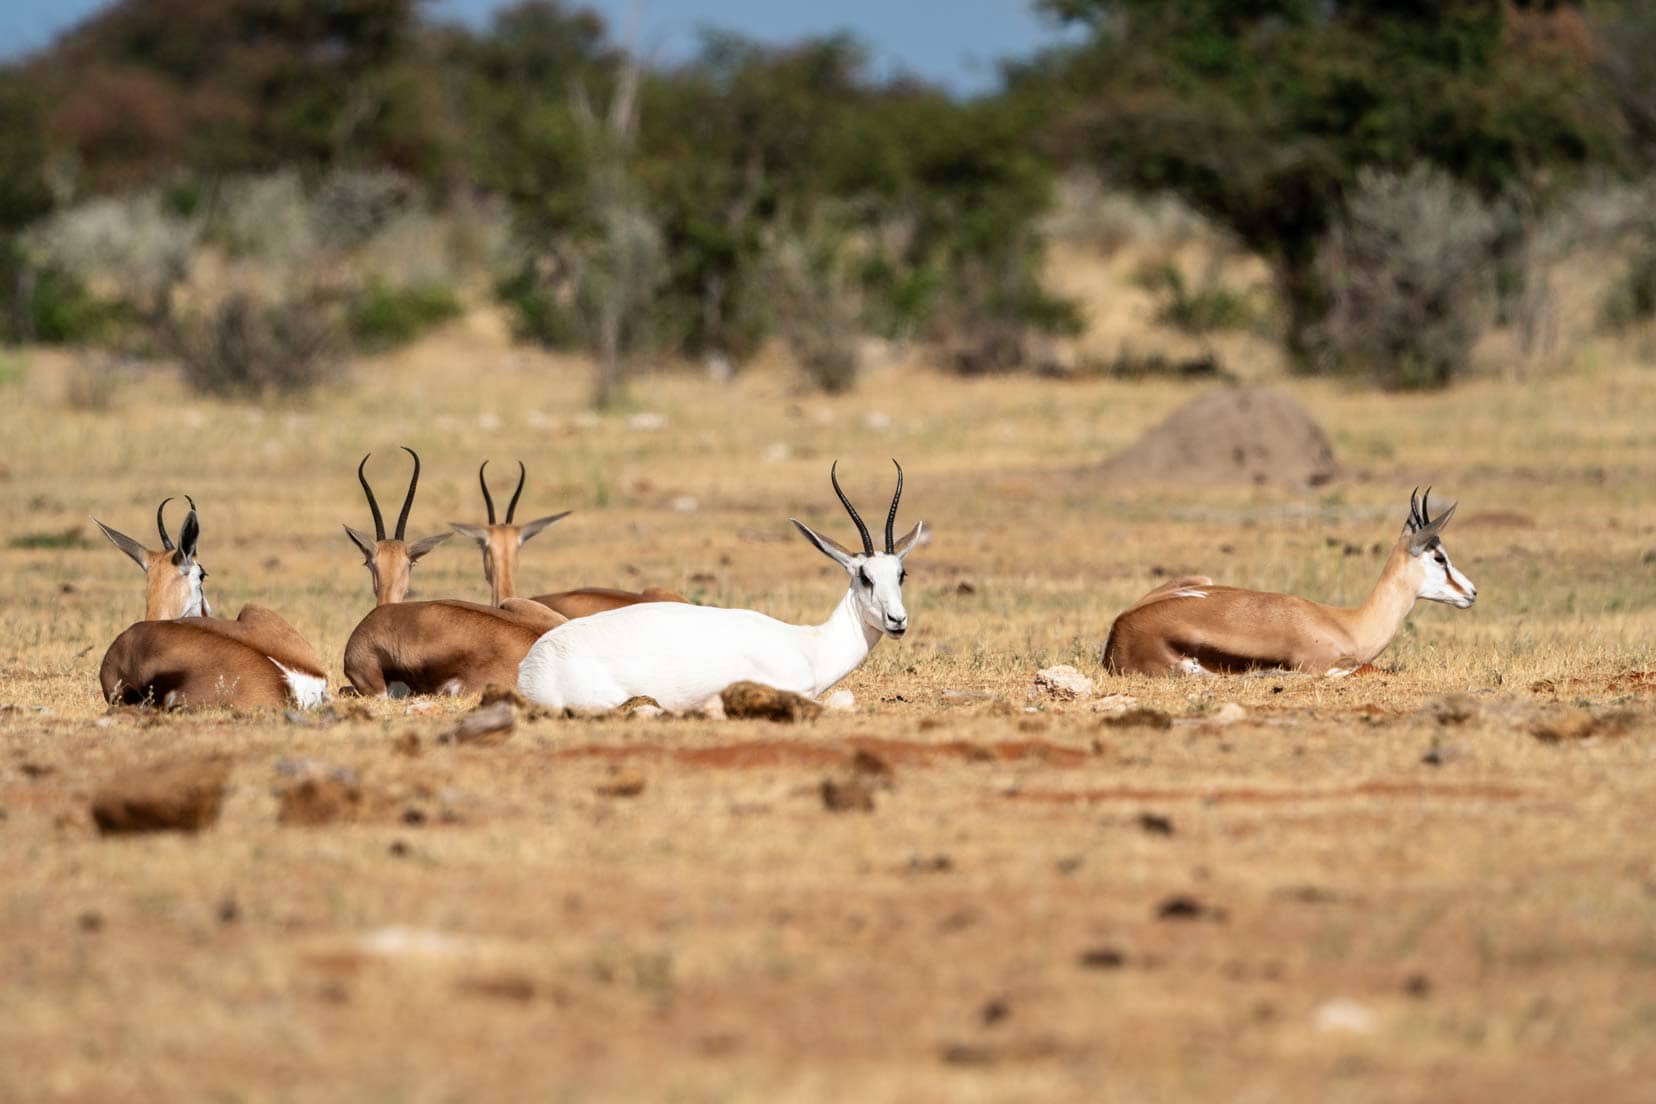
[911, 540]
[188, 538]
[531, 528]
[420, 547]
[478, 533]
[363, 541]
[138, 553]
[826, 545]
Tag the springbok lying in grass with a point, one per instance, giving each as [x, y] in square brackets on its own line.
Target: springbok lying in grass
[681, 654]
[179, 656]
[501, 541]
[1190, 626]
[440, 647]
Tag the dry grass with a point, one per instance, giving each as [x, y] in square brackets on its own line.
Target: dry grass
[1400, 892]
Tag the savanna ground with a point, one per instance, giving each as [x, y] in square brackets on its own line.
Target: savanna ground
[1436, 882]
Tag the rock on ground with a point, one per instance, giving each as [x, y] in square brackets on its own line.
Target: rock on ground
[755, 700]
[1063, 682]
[177, 797]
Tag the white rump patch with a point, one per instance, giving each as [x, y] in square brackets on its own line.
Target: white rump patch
[1189, 592]
[308, 691]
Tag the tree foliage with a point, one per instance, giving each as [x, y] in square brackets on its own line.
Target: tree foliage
[1263, 114]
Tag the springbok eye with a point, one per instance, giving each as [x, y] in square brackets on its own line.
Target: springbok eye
[902, 576]
[862, 577]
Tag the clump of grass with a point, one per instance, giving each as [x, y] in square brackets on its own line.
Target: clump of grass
[383, 316]
[61, 539]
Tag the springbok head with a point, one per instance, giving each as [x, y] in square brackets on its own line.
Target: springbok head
[172, 577]
[876, 577]
[1437, 580]
[501, 541]
[390, 562]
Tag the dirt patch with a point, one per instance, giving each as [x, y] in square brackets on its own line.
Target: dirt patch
[861, 754]
[1249, 796]
[177, 797]
[1255, 436]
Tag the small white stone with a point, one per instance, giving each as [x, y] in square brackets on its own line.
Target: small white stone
[646, 421]
[877, 420]
[777, 452]
[488, 422]
[1343, 1015]
[1228, 714]
[1063, 681]
[1114, 705]
[840, 701]
[686, 504]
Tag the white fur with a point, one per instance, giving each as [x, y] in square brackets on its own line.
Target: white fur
[1435, 585]
[1189, 594]
[307, 691]
[680, 654]
[1189, 665]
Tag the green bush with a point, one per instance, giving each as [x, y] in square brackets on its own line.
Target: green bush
[383, 316]
[1206, 309]
[1632, 298]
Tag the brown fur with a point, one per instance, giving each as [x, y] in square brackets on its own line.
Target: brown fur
[1232, 629]
[590, 600]
[199, 662]
[438, 647]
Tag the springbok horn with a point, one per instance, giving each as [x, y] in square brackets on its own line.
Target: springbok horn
[1426, 509]
[487, 501]
[891, 517]
[161, 525]
[511, 507]
[408, 503]
[868, 542]
[379, 522]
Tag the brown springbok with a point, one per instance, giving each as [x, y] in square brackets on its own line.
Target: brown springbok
[434, 647]
[500, 543]
[1190, 626]
[180, 657]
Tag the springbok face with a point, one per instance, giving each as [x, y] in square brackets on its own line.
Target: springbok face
[1437, 579]
[876, 577]
[501, 541]
[391, 562]
[172, 576]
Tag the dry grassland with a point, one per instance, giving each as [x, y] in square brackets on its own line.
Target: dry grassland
[1434, 883]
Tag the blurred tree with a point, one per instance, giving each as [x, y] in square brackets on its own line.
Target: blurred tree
[148, 87]
[1261, 114]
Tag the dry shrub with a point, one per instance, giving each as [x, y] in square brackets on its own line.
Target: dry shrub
[1410, 277]
[245, 347]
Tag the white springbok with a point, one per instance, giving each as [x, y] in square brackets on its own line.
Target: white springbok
[681, 654]
[1190, 626]
[500, 543]
[180, 656]
[437, 647]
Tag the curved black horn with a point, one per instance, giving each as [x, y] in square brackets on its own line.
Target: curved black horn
[868, 542]
[891, 516]
[379, 522]
[511, 507]
[408, 503]
[1414, 508]
[161, 525]
[487, 501]
[1426, 508]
